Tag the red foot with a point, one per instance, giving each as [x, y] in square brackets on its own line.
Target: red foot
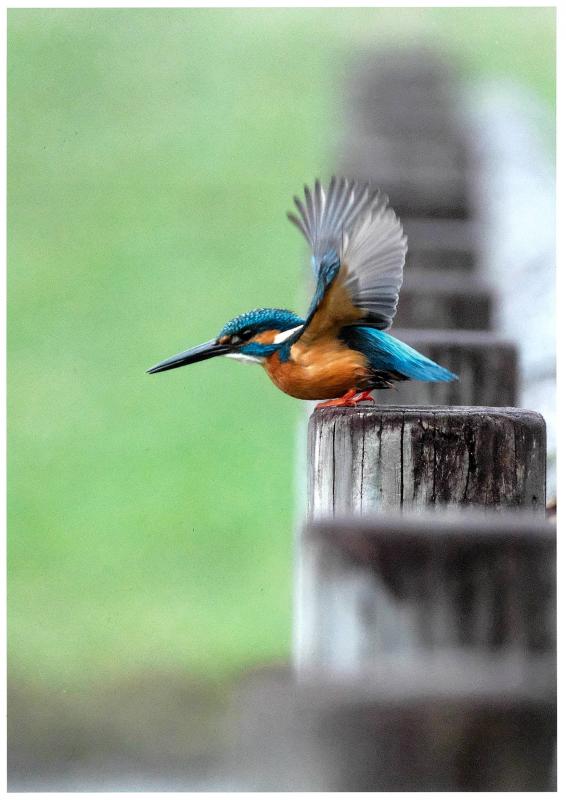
[365, 396]
[345, 400]
[351, 398]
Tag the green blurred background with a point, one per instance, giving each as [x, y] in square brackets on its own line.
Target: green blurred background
[152, 155]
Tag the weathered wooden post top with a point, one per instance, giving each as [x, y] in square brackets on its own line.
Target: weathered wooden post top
[379, 458]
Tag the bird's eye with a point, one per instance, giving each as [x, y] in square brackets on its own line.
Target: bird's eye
[242, 336]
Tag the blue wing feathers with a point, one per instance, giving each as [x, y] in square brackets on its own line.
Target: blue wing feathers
[328, 269]
[353, 221]
[385, 353]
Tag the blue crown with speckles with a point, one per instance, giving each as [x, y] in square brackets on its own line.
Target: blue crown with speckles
[262, 319]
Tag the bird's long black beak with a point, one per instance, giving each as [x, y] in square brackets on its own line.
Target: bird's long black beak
[200, 353]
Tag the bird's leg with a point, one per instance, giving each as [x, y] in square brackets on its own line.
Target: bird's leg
[364, 396]
[337, 402]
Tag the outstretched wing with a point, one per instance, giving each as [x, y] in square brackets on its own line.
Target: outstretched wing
[358, 252]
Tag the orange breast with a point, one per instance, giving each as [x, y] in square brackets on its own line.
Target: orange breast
[323, 370]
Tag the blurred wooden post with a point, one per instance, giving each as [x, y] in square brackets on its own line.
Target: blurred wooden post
[417, 189]
[405, 136]
[486, 365]
[448, 617]
[444, 301]
[462, 723]
[446, 246]
[427, 584]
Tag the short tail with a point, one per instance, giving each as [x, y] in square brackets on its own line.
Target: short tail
[385, 352]
[421, 368]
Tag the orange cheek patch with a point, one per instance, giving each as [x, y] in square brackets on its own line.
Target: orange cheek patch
[266, 337]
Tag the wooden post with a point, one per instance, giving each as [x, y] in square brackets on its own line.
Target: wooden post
[403, 119]
[444, 302]
[418, 86]
[456, 724]
[423, 190]
[363, 460]
[397, 586]
[391, 67]
[427, 587]
[396, 155]
[485, 363]
[401, 459]
[440, 245]
[403, 586]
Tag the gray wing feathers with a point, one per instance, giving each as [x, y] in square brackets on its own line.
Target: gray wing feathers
[354, 219]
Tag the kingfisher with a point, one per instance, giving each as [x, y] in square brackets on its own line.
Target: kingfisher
[340, 351]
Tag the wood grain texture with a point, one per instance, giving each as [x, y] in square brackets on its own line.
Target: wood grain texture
[363, 460]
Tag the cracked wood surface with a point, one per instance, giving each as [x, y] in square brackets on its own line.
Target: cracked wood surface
[388, 458]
